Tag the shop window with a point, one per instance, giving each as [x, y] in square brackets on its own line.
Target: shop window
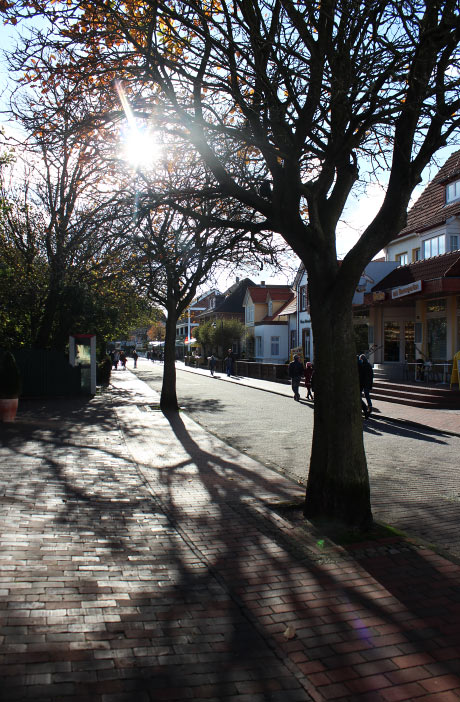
[434, 246]
[275, 346]
[403, 259]
[458, 323]
[293, 339]
[409, 342]
[437, 338]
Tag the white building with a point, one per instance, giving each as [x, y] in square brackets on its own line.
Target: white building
[268, 317]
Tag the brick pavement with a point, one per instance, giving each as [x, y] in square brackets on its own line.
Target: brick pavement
[140, 560]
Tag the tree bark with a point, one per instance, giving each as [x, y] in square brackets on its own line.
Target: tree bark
[45, 328]
[168, 401]
[338, 481]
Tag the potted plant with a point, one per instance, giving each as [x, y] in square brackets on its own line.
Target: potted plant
[10, 387]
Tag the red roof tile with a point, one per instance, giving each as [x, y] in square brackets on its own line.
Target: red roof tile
[430, 209]
[445, 266]
[259, 294]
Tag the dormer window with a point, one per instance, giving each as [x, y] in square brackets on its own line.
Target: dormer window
[453, 191]
[270, 308]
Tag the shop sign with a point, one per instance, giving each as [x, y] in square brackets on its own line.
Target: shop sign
[378, 296]
[406, 289]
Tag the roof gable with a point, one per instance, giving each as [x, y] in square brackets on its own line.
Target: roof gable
[430, 209]
[260, 294]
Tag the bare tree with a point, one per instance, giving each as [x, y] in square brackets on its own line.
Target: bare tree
[181, 241]
[313, 97]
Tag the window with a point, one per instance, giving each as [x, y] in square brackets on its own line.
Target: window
[436, 306]
[270, 308]
[275, 346]
[403, 259]
[453, 191]
[249, 313]
[416, 254]
[434, 246]
[303, 298]
[259, 347]
[454, 242]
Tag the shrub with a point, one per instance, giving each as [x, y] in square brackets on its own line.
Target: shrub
[10, 378]
[103, 371]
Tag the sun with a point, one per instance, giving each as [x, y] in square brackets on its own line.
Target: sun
[140, 147]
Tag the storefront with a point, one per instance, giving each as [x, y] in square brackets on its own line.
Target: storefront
[414, 314]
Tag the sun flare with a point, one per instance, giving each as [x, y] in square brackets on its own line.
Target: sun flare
[140, 148]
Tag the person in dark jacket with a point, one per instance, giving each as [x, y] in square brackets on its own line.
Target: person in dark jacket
[295, 373]
[366, 379]
[309, 371]
[212, 363]
[229, 363]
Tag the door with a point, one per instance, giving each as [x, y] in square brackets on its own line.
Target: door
[391, 341]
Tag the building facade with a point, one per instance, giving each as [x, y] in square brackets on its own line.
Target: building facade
[268, 318]
[414, 312]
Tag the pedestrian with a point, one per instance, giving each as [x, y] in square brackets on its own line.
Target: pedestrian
[123, 359]
[229, 363]
[116, 358]
[135, 357]
[309, 371]
[366, 379]
[212, 363]
[295, 373]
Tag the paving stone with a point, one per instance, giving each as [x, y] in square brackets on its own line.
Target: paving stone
[138, 561]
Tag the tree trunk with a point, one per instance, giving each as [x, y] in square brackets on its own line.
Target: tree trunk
[338, 481]
[168, 401]
[46, 324]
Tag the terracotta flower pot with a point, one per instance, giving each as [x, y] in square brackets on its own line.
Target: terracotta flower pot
[8, 409]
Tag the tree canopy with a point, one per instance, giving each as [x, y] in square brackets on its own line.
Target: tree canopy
[289, 107]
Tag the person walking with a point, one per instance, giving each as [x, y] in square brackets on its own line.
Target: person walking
[135, 357]
[366, 380]
[295, 373]
[212, 363]
[309, 371]
[229, 363]
[123, 359]
[116, 358]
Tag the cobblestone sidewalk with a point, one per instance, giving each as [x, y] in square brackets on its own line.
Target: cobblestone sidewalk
[140, 560]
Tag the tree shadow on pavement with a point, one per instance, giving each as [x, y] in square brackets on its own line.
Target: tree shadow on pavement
[172, 583]
[382, 425]
[351, 622]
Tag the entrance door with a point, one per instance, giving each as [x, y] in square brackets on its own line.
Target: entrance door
[437, 338]
[391, 341]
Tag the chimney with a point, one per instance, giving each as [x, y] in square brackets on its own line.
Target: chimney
[262, 283]
[237, 280]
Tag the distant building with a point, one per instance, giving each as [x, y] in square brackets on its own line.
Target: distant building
[267, 315]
